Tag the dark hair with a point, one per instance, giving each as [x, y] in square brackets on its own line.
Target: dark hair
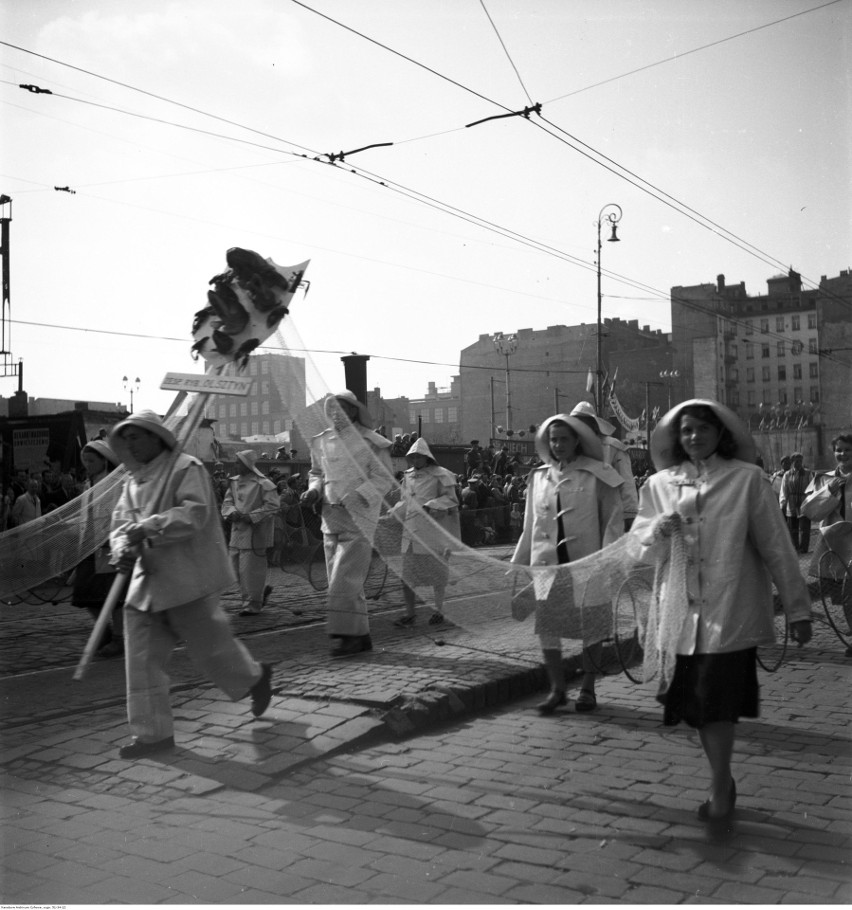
[726, 447]
[562, 423]
[841, 437]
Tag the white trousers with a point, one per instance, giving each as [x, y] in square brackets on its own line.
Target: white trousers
[250, 569]
[347, 561]
[150, 639]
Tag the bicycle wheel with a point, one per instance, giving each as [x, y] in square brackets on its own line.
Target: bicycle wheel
[770, 658]
[376, 576]
[835, 591]
[317, 572]
[628, 608]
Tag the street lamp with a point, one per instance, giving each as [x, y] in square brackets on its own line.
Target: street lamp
[506, 345]
[128, 386]
[670, 376]
[610, 213]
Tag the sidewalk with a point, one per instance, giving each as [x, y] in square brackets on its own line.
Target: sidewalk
[67, 795]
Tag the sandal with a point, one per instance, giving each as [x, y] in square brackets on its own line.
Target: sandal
[404, 621]
[586, 701]
[436, 619]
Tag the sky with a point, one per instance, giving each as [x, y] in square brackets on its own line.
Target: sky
[721, 129]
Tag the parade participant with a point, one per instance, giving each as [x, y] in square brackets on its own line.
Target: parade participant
[166, 530]
[793, 487]
[250, 506]
[428, 499]
[708, 486]
[828, 500]
[93, 577]
[573, 509]
[615, 454]
[27, 507]
[351, 472]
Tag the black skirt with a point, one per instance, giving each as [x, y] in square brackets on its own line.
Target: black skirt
[708, 688]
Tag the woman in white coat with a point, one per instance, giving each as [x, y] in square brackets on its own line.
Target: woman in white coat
[736, 544]
[428, 498]
[573, 509]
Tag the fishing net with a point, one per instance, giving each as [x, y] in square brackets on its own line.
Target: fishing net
[619, 593]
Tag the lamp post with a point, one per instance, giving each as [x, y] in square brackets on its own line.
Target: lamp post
[610, 213]
[129, 387]
[506, 345]
[670, 376]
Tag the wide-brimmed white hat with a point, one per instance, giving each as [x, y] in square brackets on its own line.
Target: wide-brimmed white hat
[421, 447]
[248, 457]
[102, 449]
[144, 420]
[589, 442]
[585, 409]
[364, 416]
[664, 437]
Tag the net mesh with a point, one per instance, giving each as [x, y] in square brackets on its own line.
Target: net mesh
[612, 594]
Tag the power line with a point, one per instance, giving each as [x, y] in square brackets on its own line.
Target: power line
[505, 50]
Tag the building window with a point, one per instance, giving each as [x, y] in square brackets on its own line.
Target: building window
[814, 394]
[812, 346]
[439, 415]
[795, 323]
[764, 325]
[750, 374]
[254, 409]
[812, 323]
[233, 410]
[749, 327]
[264, 366]
[452, 415]
[243, 409]
[797, 371]
[752, 398]
[264, 387]
[223, 411]
[252, 367]
[782, 397]
[733, 351]
[735, 375]
[779, 323]
[412, 416]
[765, 374]
[255, 427]
[749, 351]
[813, 370]
[734, 398]
[764, 350]
[782, 373]
[264, 407]
[797, 393]
[244, 429]
[780, 348]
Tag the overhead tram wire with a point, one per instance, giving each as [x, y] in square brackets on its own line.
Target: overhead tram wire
[506, 50]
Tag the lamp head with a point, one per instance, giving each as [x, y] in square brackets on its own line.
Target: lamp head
[615, 238]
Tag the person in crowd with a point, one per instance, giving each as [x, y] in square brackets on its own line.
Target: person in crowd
[53, 494]
[793, 487]
[5, 507]
[250, 506]
[351, 472]
[27, 507]
[573, 508]
[473, 458]
[166, 531]
[616, 455]
[501, 461]
[708, 486]
[828, 500]
[777, 477]
[93, 578]
[428, 500]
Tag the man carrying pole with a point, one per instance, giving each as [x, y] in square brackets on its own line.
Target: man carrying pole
[166, 531]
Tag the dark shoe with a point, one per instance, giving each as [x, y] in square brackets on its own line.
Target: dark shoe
[266, 592]
[551, 703]
[351, 644]
[704, 809]
[586, 701]
[436, 619]
[261, 691]
[248, 611]
[140, 749]
[405, 621]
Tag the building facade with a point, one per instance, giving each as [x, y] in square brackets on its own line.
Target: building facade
[548, 372]
[780, 360]
[277, 394]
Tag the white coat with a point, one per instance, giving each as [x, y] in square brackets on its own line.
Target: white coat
[434, 488]
[737, 543]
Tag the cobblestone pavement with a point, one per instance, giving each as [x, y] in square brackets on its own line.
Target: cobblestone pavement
[415, 774]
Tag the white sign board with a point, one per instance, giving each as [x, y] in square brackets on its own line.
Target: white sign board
[214, 385]
[29, 447]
